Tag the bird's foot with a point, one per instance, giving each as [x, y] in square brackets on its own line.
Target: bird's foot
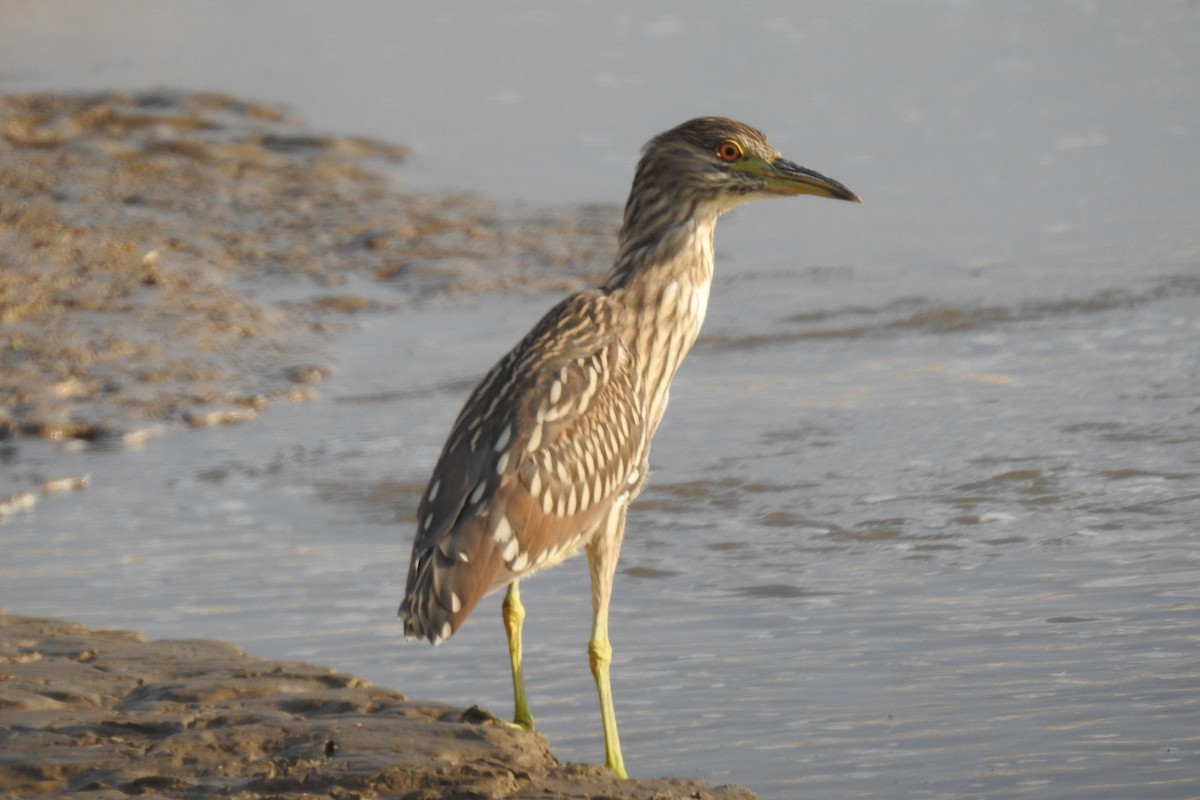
[522, 721]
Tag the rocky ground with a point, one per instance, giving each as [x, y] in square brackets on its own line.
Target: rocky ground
[177, 259]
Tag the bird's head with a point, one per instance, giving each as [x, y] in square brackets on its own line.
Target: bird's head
[726, 163]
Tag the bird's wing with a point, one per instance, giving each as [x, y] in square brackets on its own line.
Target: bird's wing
[554, 434]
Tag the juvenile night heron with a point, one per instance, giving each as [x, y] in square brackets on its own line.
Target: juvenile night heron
[552, 446]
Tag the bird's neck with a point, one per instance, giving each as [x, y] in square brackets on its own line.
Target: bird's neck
[661, 283]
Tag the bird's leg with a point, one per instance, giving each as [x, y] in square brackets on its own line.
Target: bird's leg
[514, 618]
[602, 563]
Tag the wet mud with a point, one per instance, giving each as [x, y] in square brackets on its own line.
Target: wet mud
[171, 258]
[105, 714]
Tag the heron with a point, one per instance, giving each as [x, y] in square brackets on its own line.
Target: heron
[553, 444]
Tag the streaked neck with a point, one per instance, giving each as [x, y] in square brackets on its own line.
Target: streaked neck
[662, 287]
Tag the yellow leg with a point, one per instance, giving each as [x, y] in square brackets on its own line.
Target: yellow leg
[600, 656]
[602, 563]
[514, 618]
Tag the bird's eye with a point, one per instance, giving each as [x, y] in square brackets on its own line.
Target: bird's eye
[729, 151]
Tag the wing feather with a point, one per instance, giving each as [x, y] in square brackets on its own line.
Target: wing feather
[553, 435]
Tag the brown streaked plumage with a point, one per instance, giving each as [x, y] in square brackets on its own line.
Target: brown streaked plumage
[552, 446]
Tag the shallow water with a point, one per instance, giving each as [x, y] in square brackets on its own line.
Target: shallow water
[949, 563]
[922, 515]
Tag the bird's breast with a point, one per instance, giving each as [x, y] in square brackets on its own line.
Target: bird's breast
[663, 319]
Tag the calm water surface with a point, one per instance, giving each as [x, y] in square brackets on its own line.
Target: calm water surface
[922, 517]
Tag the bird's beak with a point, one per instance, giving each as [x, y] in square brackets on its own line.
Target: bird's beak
[785, 177]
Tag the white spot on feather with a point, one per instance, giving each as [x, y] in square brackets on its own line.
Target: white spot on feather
[535, 439]
[669, 292]
[511, 550]
[503, 532]
[433, 490]
[519, 563]
[478, 493]
[556, 412]
[455, 603]
[505, 435]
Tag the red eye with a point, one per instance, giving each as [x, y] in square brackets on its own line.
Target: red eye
[729, 151]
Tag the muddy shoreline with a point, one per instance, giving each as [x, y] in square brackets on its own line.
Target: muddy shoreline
[105, 714]
[173, 258]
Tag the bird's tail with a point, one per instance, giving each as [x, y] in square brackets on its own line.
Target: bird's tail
[444, 587]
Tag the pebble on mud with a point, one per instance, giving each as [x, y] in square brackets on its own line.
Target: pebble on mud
[22, 501]
[73, 483]
[222, 416]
